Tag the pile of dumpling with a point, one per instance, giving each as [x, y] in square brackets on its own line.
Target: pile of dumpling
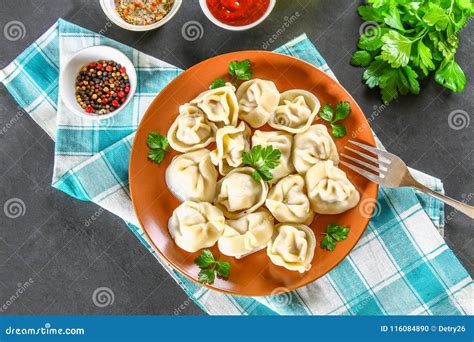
[235, 210]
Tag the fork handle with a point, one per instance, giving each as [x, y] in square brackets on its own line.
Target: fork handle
[460, 206]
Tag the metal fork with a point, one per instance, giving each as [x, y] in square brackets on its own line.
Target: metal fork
[392, 172]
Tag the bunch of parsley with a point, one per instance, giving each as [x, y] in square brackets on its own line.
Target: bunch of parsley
[407, 40]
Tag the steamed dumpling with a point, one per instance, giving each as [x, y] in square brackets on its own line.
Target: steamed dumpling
[191, 130]
[329, 190]
[231, 143]
[296, 111]
[196, 225]
[282, 141]
[313, 146]
[220, 105]
[239, 194]
[258, 100]
[246, 235]
[288, 202]
[292, 246]
[192, 176]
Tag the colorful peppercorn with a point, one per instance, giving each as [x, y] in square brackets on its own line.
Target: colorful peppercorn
[99, 83]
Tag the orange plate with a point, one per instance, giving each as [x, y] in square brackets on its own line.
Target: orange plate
[253, 275]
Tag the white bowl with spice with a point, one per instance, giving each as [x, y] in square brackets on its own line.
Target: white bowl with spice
[97, 82]
[141, 15]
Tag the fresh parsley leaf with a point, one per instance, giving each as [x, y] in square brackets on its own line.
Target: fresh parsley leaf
[437, 17]
[371, 39]
[156, 155]
[158, 145]
[410, 40]
[338, 232]
[334, 233]
[209, 266]
[240, 70]
[393, 19]
[338, 131]
[361, 58]
[205, 259]
[223, 269]
[328, 243]
[391, 81]
[217, 83]
[424, 59]
[256, 176]
[327, 113]
[369, 13]
[262, 159]
[156, 140]
[207, 275]
[451, 76]
[343, 109]
[264, 173]
[396, 49]
[374, 71]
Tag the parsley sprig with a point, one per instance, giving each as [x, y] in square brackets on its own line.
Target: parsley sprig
[327, 113]
[209, 266]
[407, 40]
[217, 83]
[334, 233]
[262, 159]
[158, 145]
[237, 70]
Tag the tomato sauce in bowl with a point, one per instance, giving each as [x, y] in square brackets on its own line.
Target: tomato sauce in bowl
[238, 12]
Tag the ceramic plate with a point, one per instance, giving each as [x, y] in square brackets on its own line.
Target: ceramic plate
[253, 275]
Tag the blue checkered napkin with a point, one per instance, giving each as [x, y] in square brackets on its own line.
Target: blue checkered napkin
[400, 266]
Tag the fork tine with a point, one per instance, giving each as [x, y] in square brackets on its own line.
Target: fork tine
[363, 163]
[364, 173]
[372, 149]
[366, 156]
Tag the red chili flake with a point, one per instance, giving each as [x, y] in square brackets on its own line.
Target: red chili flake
[123, 70]
[108, 68]
[89, 109]
[99, 66]
[120, 94]
[127, 89]
[115, 103]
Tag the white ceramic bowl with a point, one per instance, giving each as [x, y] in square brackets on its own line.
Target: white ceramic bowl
[216, 21]
[69, 72]
[108, 6]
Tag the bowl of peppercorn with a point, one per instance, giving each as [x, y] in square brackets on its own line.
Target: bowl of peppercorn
[97, 82]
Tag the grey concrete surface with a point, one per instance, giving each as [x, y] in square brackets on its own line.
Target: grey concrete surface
[67, 261]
